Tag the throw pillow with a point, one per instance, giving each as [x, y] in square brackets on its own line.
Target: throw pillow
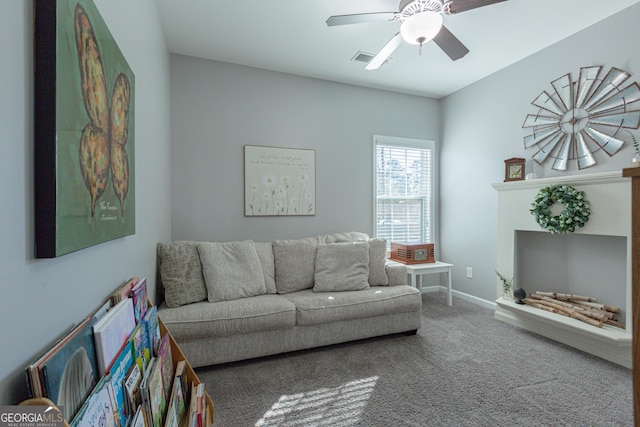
[294, 263]
[351, 236]
[265, 253]
[231, 270]
[181, 273]
[377, 260]
[341, 267]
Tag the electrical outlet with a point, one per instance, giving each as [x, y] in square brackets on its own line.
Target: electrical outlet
[469, 273]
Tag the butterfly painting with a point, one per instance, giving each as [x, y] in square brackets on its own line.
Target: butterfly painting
[85, 130]
[104, 137]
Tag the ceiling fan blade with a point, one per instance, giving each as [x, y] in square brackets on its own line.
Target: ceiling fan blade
[450, 44]
[385, 52]
[359, 18]
[459, 6]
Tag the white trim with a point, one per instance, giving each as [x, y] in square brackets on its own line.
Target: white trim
[413, 143]
[403, 142]
[490, 305]
[473, 299]
[608, 342]
[592, 178]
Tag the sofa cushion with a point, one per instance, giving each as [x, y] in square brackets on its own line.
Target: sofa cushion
[181, 273]
[313, 308]
[231, 270]
[265, 253]
[341, 267]
[396, 272]
[294, 262]
[226, 318]
[352, 236]
[377, 260]
[377, 254]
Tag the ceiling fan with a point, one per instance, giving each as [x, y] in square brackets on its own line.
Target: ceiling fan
[421, 22]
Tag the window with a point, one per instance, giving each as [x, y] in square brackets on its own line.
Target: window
[403, 189]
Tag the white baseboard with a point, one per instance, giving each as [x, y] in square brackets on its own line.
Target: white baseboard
[491, 305]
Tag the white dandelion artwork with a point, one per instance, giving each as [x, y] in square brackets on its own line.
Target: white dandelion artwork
[279, 181]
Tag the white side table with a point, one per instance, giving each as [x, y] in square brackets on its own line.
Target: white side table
[415, 270]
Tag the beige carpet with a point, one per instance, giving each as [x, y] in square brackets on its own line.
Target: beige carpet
[463, 368]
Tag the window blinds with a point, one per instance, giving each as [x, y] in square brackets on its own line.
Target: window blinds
[403, 193]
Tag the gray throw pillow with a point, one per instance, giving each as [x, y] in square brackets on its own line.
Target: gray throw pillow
[181, 273]
[351, 236]
[294, 264]
[265, 253]
[377, 260]
[341, 267]
[231, 270]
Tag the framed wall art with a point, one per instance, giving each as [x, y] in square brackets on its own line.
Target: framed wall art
[84, 130]
[279, 181]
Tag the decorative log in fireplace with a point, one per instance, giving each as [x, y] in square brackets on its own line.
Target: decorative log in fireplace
[585, 309]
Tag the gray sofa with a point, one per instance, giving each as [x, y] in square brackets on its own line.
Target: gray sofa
[231, 301]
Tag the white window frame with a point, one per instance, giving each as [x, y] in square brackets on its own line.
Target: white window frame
[409, 143]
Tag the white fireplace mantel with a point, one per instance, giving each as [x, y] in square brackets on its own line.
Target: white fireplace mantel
[585, 179]
[609, 195]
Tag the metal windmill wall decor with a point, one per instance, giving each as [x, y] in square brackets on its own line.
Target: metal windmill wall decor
[579, 118]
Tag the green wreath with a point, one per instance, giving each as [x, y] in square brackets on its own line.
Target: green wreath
[574, 215]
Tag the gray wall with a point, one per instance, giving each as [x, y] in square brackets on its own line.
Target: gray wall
[539, 268]
[482, 127]
[218, 107]
[42, 298]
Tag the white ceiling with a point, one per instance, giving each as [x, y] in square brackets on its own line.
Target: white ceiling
[291, 36]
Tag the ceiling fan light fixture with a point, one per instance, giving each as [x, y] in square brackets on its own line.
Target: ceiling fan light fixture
[421, 27]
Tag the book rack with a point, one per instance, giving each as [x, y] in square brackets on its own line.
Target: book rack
[177, 355]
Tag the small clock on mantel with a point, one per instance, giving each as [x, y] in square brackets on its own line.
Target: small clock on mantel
[514, 169]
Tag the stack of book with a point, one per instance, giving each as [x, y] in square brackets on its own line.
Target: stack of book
[115, 367]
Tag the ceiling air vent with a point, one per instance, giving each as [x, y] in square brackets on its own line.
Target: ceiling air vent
[366, 57]
[363, 57]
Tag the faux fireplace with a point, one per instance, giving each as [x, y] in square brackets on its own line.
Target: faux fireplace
[594, 261]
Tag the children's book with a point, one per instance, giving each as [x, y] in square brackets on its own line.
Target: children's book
[140, 347]
[165, 359]
[152, 329]
[72, 371]
[177, 411]
[198, 406]
[140, 301]
[124, 290]
[144, 389]
[140, 418]
[132, 388]
[111, 331]
[118, 372]
[100, 407]
[35, 378]
[157, 399]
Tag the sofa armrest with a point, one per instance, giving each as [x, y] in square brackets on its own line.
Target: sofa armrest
[396, 272]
